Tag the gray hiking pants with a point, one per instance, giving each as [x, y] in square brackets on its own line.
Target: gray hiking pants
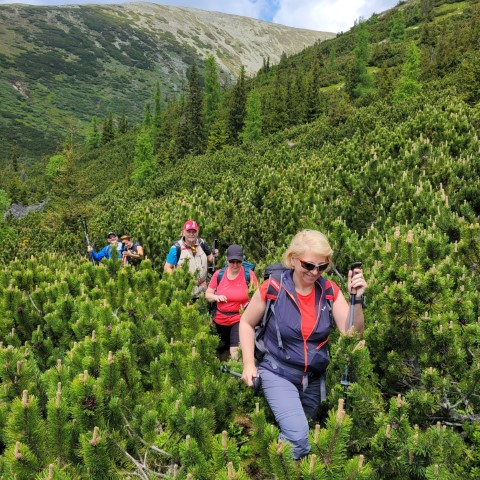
[291, 407]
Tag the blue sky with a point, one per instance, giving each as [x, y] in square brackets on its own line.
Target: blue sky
[324, 15]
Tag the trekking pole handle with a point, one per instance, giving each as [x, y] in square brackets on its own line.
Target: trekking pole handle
[214, 250]
[257, 381]
[353, 266]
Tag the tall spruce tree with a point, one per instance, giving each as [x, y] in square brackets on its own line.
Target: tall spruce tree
[409, 84]
[276, 114]
[311, 91]
[147, 117]
[252, 129]
[237, 106]
[191, 134]
[165, 139]
[218, 135]
[360, 84]
[143, 161]
[93, 137]
[108, 132]
[397, 26]
[212, 91]
[122, 123]
[157, 110]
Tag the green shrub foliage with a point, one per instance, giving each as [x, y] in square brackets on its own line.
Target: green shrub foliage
[111, 372]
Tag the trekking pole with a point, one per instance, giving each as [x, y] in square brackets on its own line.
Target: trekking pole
[345, 381]
[214, 248]
[257, 381]
[352, 296]
[85, 231]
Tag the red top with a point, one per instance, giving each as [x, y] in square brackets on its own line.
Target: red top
[236, 291]
[306, 304]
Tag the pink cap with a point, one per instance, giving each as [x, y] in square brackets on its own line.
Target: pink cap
[190, 225]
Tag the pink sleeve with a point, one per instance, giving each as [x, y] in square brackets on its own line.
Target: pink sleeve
[253, 278]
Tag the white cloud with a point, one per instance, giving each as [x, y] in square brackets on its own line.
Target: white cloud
[327, 15]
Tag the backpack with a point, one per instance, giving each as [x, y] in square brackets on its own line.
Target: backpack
[247, 268]
[178, 247]
[274, 275]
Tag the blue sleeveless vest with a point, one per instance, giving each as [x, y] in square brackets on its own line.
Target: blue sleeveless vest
[297, 358]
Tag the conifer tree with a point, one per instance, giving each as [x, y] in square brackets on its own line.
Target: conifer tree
[385, 81]
[397, 26]
[157, 110]
[276, 115]
[70, 188]
[191, 134]
[295, 98]
[252, 129]
[122, 123]
[237, 106]
[59, 429]
[165, 140]
[408, 84]
[426, 9]
[144, 160]
[470, 79]
[212, 90]
[218, 135]
[108, 133]
[93, 138]
[95, 455]
[25, 425]
[359, 82]
[311, 91]
[147, 117]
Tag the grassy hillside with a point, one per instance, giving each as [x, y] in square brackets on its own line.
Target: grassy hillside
[59, 66]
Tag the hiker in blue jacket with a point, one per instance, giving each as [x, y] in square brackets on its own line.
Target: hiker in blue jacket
[296, 335]
[106, 252]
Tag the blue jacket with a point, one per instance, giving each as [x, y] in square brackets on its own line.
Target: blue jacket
[304, 358]
[106, 251]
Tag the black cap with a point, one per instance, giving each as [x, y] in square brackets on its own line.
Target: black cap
[109, 234]
[235, 252]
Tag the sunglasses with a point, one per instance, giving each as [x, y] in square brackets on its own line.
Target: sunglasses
[321, 267]
[235, 261]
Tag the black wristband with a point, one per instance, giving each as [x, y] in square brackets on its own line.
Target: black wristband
[360, 301]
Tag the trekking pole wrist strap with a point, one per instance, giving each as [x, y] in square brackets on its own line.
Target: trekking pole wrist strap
[360, 300]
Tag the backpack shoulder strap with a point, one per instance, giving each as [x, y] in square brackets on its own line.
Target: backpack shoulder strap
[206, 249]
[178, 248]
[273, 289]
[221, 273]
[247, 268]
[330, 296]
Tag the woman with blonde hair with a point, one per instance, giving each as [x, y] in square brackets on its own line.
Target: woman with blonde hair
[296, 335]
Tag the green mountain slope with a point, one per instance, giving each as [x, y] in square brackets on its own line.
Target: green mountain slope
[59, 66]
[111, 371]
